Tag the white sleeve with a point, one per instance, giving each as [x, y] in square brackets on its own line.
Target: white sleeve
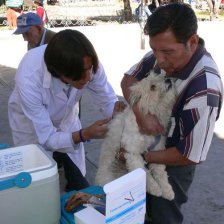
[47, 134]
[102, 93]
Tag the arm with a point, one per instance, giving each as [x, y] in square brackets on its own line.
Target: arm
[170, 156]
[53, 138]
[94, 131]
[148, 124]
[126, 83]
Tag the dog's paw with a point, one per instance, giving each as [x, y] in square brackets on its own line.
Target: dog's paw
[168, 194]
[154, 190]
[167, 190]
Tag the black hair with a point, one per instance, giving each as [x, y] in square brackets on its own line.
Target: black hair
[40, 3]
[178, 17]
[65, 52]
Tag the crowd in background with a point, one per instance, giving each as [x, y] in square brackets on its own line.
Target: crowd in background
[150, 6]
[15, 8]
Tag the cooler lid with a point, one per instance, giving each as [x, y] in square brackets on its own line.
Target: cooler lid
[28, 158]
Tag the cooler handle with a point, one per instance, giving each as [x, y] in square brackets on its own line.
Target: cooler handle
[4, 146]
[21, 180]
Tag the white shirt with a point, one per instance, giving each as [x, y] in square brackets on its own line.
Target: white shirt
[40, 112]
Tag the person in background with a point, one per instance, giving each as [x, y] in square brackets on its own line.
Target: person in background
[170, 1]
[44, 105]
[38, 4]
[180, 52]
[213, 8]
[14, 9]
[30, 25]
[146, 11]
[222, 5]
[154, 4]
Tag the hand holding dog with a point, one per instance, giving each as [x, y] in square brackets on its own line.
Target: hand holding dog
[119, 106]
[119, 155]
[148, 124]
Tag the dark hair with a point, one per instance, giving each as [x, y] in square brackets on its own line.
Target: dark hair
[178, 17]
[65, 52]
[39, 2]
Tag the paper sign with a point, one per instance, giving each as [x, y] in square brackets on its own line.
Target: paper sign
[126, 198]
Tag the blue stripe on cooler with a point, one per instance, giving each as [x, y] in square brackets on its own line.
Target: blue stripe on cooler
[108, 220]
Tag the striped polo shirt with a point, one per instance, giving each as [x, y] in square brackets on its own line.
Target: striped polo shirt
[199, 98]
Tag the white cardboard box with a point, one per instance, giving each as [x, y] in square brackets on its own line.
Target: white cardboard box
[89, 216]
[125, 202]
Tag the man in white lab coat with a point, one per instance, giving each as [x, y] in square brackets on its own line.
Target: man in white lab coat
[44, 105]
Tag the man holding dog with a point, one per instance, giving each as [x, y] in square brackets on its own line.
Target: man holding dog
[180, 52]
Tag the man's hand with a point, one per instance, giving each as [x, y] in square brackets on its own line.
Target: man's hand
[119, 106]
[148, 124]
[79, 198]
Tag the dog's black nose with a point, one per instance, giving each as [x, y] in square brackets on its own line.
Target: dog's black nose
[168, 83]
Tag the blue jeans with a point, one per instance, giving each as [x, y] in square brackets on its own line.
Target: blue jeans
[146, 10]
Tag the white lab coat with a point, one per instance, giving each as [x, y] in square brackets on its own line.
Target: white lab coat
[40, 112]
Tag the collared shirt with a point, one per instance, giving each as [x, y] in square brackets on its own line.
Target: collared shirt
[41, 112]
[199, 98]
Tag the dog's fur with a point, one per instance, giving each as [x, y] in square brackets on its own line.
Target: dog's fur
[155, 95]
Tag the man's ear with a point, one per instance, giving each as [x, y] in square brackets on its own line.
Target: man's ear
[40, 28]
[192, 42]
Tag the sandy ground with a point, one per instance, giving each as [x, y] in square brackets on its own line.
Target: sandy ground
[118, 47]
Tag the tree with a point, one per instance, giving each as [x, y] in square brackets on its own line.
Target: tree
[127, 10]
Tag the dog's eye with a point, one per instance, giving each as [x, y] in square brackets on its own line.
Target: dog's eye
[153, 87]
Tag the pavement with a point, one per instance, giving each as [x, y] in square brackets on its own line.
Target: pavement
[118, 48]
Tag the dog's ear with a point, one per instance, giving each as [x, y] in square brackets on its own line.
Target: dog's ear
[135, 94]
[163, 73]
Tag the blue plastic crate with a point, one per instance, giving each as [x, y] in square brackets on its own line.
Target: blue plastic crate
[68, 218]
[4, 146]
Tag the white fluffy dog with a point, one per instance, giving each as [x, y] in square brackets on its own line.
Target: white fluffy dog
[155, 95]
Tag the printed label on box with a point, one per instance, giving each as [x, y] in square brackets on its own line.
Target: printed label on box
[126, 198]
[11, 162]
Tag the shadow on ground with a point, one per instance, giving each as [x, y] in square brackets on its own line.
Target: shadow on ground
[7, 75]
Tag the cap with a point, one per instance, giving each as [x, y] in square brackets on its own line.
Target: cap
[25, 21]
